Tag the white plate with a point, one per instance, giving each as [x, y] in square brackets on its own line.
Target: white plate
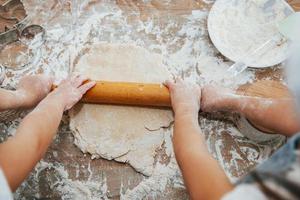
[239, 27]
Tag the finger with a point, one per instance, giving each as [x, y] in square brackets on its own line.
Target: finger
[178, 80]
[63, 81]
[73, 78]
[85, 87]
[169, 84]
[79, 80]
[74, 75]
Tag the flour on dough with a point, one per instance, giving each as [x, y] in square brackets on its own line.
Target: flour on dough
[120, 132]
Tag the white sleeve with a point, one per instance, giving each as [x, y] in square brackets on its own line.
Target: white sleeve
[5, 193]
[245, 192]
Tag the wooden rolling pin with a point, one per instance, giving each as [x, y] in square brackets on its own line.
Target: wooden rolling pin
[157, 95]
[128, 93]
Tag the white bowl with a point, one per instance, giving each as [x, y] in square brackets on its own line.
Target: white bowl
[239, 27]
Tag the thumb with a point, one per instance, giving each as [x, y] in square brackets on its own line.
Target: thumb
[169, 84]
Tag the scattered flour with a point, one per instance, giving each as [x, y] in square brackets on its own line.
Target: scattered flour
[184, 44]
[65, 187]
[164, 175]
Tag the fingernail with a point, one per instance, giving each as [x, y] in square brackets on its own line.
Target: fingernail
[168, 83]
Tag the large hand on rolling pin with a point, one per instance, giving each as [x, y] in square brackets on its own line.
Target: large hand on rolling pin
[127, 93]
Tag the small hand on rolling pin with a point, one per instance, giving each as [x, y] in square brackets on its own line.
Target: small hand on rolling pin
[127, 93]
[71, 90]
[185, 97]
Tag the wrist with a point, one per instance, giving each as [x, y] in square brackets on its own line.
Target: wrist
[186, 109]
[229, 102]
[51, 103]
[58, 98]
[190, 115]
[235, 103]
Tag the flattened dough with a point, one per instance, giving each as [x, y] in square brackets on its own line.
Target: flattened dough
[121, 133]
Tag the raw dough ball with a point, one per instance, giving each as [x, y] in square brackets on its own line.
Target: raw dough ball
[123, 133]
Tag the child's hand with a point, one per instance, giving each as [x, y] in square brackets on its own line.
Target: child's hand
[215, 98]
[71, 90]
[32, 89]
[185, 97]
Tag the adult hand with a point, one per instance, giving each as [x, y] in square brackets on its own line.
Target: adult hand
[185, 97]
